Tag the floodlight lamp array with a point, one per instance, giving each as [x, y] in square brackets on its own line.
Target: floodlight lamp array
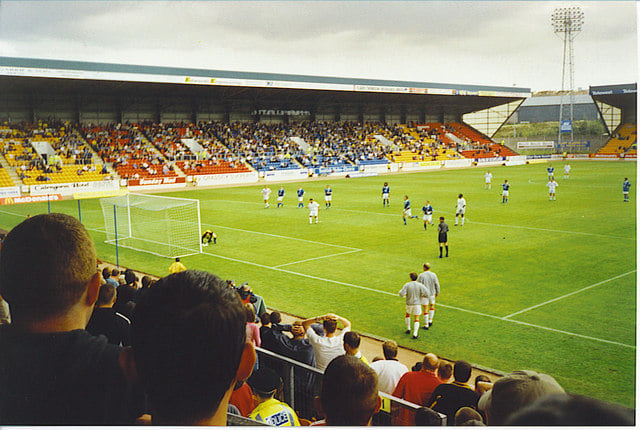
[567, 20]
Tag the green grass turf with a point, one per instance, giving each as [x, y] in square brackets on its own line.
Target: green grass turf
[577, 253]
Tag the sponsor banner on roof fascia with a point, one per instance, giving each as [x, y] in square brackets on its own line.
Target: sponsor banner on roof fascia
[30, 199]
[68, 189]
[213, 80]
[226, 178]
[170, 180]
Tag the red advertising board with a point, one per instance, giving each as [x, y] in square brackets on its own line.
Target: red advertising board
[157, 181]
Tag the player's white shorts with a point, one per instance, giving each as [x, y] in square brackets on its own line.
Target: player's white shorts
[313, 213]
[406, 212]
[487, 181]
[505, 193]
[428, 300]
[265, 197]
[327, 198]
[460, 211]
[552, 190]
[385, 196]
[427, 218]
[280, 198]
[300, 199]
[413, 309]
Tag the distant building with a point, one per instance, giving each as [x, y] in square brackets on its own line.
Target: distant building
[542, 108]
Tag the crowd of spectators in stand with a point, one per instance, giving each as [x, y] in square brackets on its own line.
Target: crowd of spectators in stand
[147, 149]
[190, 362]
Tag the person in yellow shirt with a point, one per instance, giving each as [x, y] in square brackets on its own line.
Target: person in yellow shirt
[177, 266]
[264, 384]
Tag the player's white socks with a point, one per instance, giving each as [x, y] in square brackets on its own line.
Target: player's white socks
[310, 220]
[431, 312]
[408, 321]
[426, 318]
[416, 326]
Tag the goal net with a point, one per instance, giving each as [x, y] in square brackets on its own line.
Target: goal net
[164, 226]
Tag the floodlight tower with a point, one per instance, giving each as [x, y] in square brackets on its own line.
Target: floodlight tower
[567, 22]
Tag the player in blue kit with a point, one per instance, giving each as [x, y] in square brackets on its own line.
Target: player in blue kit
[385, 194]
[300, 193]
[328, 192]
[626, 185]
[427, 209]
[280, 197]
[550, 170]
[505, 191]
[406, 210]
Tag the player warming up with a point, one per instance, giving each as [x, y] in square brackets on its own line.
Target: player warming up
[626, 185]
[406, 210]
[505, 191]
[313, 210]
[461, 207]
[280, 197]
[552, 184]
[207, 237]
[266, 192]
[328, 193]
[443, 229]
[567, 169]
[427, 210]
[487, 180]
[414, 291]
[385, 195]
[300, 193]
[430, 281]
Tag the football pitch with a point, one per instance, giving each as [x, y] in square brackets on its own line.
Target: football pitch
[530, 284]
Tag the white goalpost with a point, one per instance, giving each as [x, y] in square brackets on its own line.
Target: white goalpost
[164, 226]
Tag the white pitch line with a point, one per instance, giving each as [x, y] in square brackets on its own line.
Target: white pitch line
[567, 295]
[284, 237]
[318, 258]
[439, 304]
[554, 231]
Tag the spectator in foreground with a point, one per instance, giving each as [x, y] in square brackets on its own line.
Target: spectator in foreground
[467, 416]
[5, 315]
[513, 392]
[329, 346]
[417, 387]
[448, 398]
[352, 346]
[54, 372]
[389, 370]
[264, 383]
[572, 410]
[349, 395]
[482, 384]
[190, 349]
[106, 321]
[445, 372]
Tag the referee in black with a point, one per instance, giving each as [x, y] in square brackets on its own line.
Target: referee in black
[443, 229]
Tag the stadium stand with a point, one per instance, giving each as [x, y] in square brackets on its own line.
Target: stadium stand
[624, 139]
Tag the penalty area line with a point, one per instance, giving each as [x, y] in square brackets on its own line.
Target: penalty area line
[568, 295]
[317, 258]
[283, 237]
[278, 269]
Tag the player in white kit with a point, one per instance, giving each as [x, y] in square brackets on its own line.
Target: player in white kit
[461, 207]
[487, 180]
[313, 210]
[266, 192]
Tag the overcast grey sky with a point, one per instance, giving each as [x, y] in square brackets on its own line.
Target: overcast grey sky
[476, 42]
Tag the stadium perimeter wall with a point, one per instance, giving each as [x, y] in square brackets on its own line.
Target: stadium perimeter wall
[96, 189]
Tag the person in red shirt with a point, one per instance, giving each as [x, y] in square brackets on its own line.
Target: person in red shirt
[417, 387]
